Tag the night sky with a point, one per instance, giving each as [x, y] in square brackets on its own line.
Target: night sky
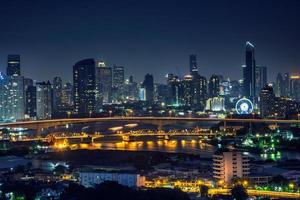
[150, 36]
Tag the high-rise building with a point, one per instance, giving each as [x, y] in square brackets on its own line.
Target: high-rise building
[57, 95]
[193, 64]
[118, 83]
[131, 89]
[229, 165]
[16, 98]
[267, 99]
[188, 90]
[214, 86]
[175, 90]
[295, 87]
[30, 99]
[148, 84]
[103, 85]
[260, 78]
[13, 65]
[43, 100]
[84, 87]
[4, 94]
[286, 85]
[200, 92]
[249, 72]
[279, 85]
[67, 96]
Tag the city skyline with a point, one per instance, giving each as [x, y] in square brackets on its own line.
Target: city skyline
[157, 45]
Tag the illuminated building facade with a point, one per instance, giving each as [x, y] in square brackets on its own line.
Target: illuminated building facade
[84, 87]
[13, 65]
[103, 77]
[215, 104]
[229, 165]
[249, 72]
[214, 86]
[44, 100]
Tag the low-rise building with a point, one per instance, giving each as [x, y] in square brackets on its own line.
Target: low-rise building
[95, 177]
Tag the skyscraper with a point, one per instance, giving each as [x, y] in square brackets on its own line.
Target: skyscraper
[103, 76]
[16, 98]
[118, 83]
[286, 85]
[175, 90]
[267, 99]
[84, 87]
[13, 65]
[260, 78]
[44, 100]
[57, 95]
[295, 87]
[193, 64]
[148, 84]
[188, 90]
[279, 85]
[30, 101]
[214, 86]
[249, 72]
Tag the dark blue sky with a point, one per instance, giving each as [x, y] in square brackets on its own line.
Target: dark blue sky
[150, 36]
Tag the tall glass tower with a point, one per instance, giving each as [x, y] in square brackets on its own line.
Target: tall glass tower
[13, 65]
[249, 72]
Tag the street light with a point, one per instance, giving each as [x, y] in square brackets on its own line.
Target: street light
[150, 112]
[170, 113]
[110, 112]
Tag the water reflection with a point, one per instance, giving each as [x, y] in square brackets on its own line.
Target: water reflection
[174, 145]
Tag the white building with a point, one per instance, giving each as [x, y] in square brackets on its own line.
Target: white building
[215, 104]
[89, 179]
[228, 165]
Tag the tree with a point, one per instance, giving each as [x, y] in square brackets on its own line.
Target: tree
[238, 192]
[203, 191]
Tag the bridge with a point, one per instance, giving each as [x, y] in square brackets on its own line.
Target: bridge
[40, 125]
[252, 192]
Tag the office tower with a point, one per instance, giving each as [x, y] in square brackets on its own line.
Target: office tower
[148, 84]
[43, 100]
[84, 87]
[199, 95]
[214, 86]
[13, 65]
[193, 64]
[160, 93]
[30, 99]
[27, 82]
[131, 91]
[230, 165]
[57, 95]
[175, 90]
[267, 100]
[286, 85]
[260, 78]
[249, 72]
[4, 94]
[188, 90]
[118, 83]
[103, 85]
[279, 85]
[295, 87]
[16, 98]
[67, 96]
